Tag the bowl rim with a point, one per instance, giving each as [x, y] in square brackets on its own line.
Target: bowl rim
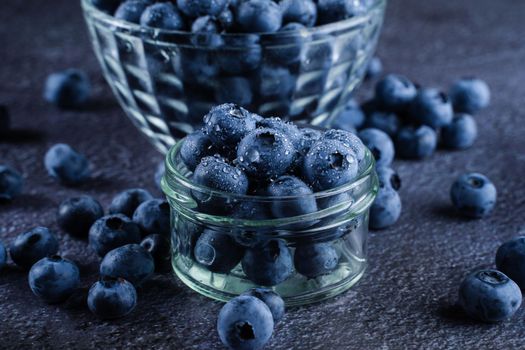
[92, 11]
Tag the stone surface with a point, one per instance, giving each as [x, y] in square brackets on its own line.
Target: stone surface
[406, 299]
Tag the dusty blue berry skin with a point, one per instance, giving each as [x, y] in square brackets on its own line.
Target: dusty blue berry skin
[350, 140]
[195, 146]
[245, 323]
[218, 252]
[197, 8]
[473, 195]
[245, 55]
[67, 89]
[386, 209]
[416, 143]
[33, 245]
[286, 186]
[307, 139]
[388, 177]
[163, 16]
[3, 256]
[384, 121]
[290, 130]
[215, 173]
[259, 16]
[112, 298]
[299, 11]
[112, 231]
[380, 144]
[131, 262]
[206, 30]
[275, 82]
[11, 183]
[273, 300]
[66, 165]
[510, 259]
[350, 118]
[153, 216]
[265, 153]
[269, 264]
[374, 68]
[394, 92]
[76, 215]
[460, 133]
[234, 89]
[329, 11]
[108, 6]
[489, 296]
[469, 95]
[126, 202]
[227, 124]
[315, 260]
[159, 248]
[54, 279]
[432, 107]
[131, 10]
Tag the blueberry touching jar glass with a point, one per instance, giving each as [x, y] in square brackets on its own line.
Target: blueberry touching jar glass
[224, 244]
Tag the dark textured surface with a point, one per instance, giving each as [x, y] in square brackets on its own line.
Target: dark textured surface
[406, 298]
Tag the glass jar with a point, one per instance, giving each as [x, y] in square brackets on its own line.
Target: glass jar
[305, 258]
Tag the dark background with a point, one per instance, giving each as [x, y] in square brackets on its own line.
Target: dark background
[406, 299]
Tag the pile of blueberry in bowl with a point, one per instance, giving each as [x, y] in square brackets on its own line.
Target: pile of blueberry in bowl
[259, 202]
[169, 62]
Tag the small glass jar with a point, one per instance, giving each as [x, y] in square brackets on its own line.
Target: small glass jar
[305, 258]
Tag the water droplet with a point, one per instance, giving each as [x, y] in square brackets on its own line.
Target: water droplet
[253, 155]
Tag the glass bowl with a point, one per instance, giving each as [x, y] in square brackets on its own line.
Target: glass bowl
[305, 258]
[167, 80]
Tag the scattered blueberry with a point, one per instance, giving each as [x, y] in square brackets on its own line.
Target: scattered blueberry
[33, 245]
[432, 107]
[5, 120]
[259, 16]
[206, 33]
[127, 202]
[384, 121]
[350, 118]
[380, 144]
[374, 68]
[386, 209]
[388, 178]
[159, 248]
[197, 8]
[76, 215]
[510, 259]
[3, 256]
[474, 195]
[112, 231]
[131, 10]
[67, 165]
[317, 259]
[67, 89]
[299, 11]
[460, 133]
[489, 296]
[273, 300]
[394, 92]
[234, 89]
[112, 298]
[218, 252]
[163, 16]
[416, 142]
[153, 216]
[245, 323]
[11, 183]
[54, 279]
[308, 138]
[469, 95]
[130, 262]
[227, 124]
[290, 186]
[226, 19]
[329, 11]
[269, 264]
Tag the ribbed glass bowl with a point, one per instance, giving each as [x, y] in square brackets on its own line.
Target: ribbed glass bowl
[167, 80]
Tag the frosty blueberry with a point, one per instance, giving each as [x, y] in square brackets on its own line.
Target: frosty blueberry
[268, 265]
[126, 202]
[131, 10]
[259, 16]
[131, 262]
[380, 144]
[384, 121]
[460, 133]
[112, 298]
[67, 89]
[196, 8]
[112, 231]
[218, 252]
[33, 245]
[76, 215]
[350, 118]
[299, 11]
[416, 142]
[314, 260]
[388, 177]
[67, 165]
[432, 107]
[227, 124]
[394, 92]
[290, 186]
[469, 95]
[11, 183]
[386, 209]
[54, 279]
[510, 259]
[162, 15]
[473, 195]
[153, 216]
[273, 300]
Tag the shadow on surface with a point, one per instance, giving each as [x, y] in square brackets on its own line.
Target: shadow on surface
[18, 136]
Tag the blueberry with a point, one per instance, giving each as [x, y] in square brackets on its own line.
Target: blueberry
[273, 300]
[245, 323]
[299, 11]
[350, 118]
[384, 121]
[328, 164]
[489, 296]
[54, 279]
[286, 49]
[11, 183]
[3, 256]
[290, 186]
[197, 68]
[259, 16]
[432, 107]
[275, 82]
[218, 252]
[350, 140]
[308, 137]
[241, 54]
[67, 89]
[394, 92]
[290, 130]
[108, 6]
[386, 209]
[469, 95]
[153, 216]
[196, 8]
[67, 165]
[269, 264]
[33, 245]
[127, 202]
[227, 124]
[194, 147]
[131, 10]
[388, 177]
[226, 19]
[163, 16]
[416, 143]
[474, 195]
[234, 89]
[112, 298]
[112, 231]
[130, 262]
[159, 248]
[206, 33]
[510, 259]
[329, 11]
[265, 153]
[374, 68]
[5, 120]
[460, 133]
[380, 144]
[315, 260]
[76, 215]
